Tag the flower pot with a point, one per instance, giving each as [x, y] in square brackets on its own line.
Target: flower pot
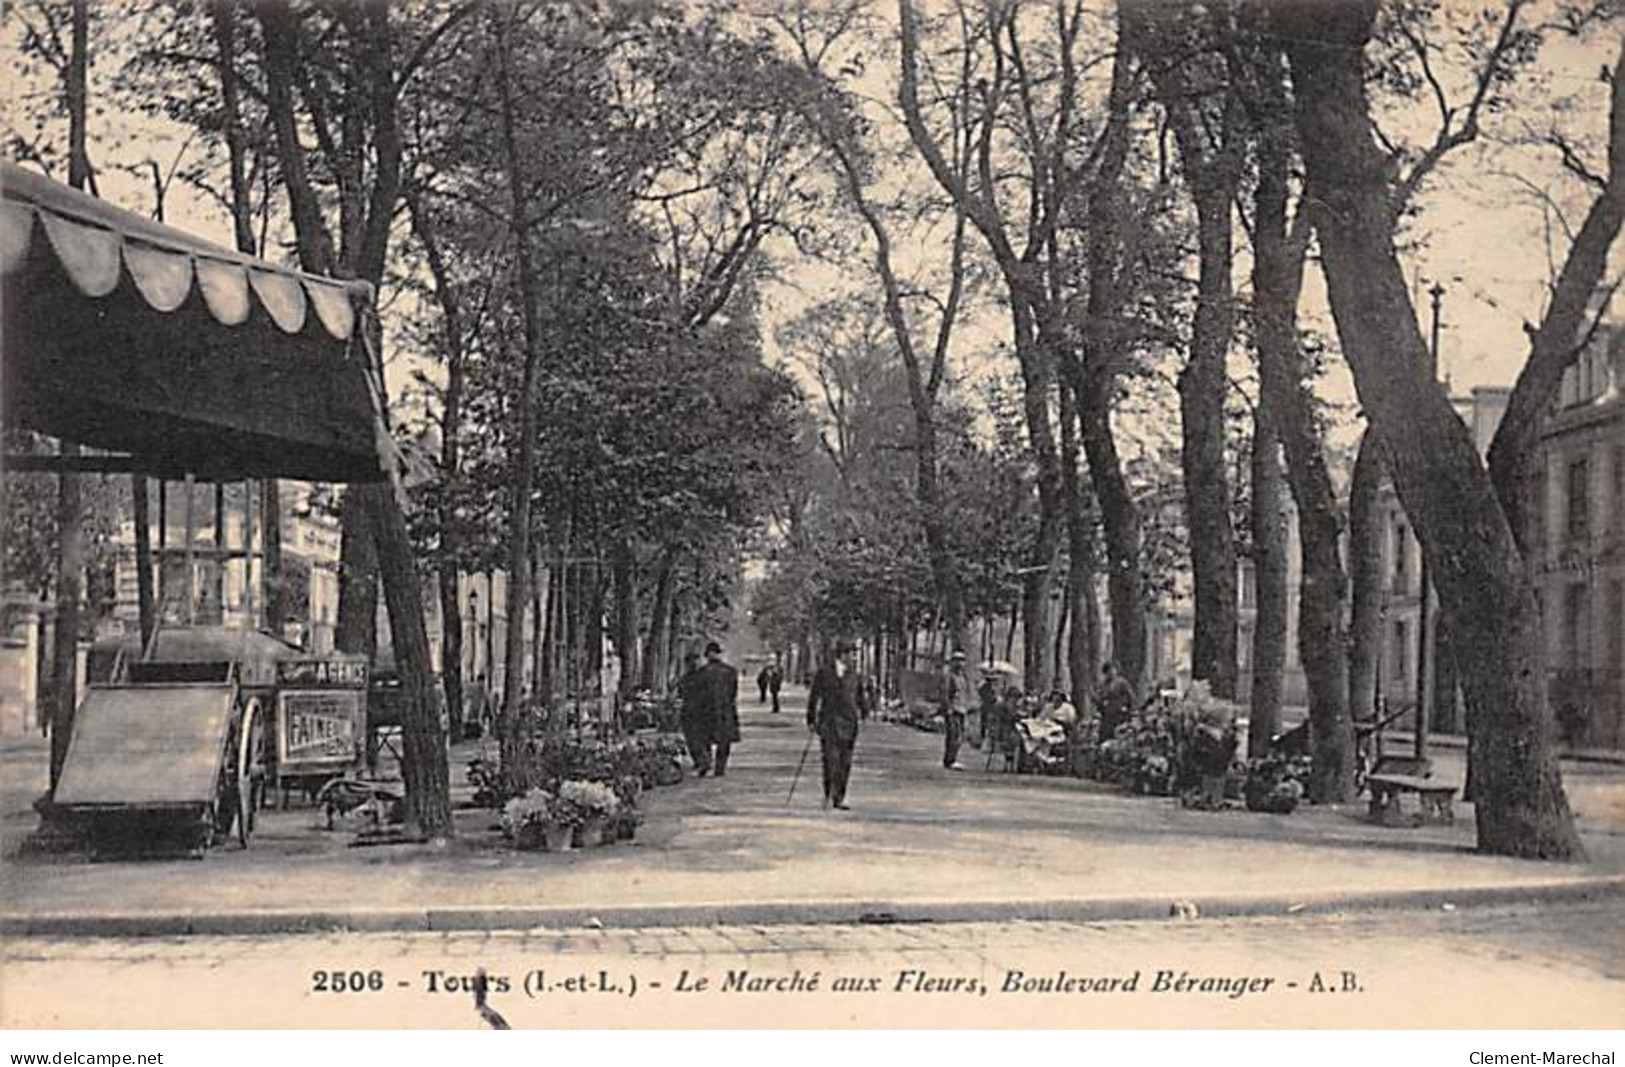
[592, 831]
[529, 837]
[558, 836]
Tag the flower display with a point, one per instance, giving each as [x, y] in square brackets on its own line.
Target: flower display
[535, 809]
[589, 799]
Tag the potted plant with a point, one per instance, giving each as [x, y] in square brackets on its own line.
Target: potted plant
[1275, 782]
[623, 826]
[539, 819]
[597, 805]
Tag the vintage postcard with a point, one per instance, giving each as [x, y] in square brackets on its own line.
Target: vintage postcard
[945, 514]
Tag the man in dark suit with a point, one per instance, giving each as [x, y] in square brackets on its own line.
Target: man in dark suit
[696, 718]
[719, 693]
[834, 706]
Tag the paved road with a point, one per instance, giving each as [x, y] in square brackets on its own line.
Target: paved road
[1498, 968]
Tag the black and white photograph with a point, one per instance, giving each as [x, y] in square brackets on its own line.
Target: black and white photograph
[814, 514]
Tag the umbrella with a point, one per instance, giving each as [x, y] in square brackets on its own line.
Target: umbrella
[999, 666]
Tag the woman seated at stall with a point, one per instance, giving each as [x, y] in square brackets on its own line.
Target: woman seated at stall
[1043, 733]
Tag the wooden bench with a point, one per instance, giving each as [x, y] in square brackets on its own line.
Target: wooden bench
[1393, 778]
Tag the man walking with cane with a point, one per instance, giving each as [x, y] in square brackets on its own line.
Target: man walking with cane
[834, 706]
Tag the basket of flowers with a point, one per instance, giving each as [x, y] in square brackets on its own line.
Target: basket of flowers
[623, 825]
[485, 775]
[597, 805]
[540, 820]
[660, 761]
[1275, 782]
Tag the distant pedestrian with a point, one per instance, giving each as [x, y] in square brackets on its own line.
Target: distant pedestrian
[775, 681]
[955, 702]
[719, 691]
[987, 709]
[1116, 701]
[761, 682]
[694, 715]
[835, 703]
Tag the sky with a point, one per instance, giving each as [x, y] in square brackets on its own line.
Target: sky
[1483, 231]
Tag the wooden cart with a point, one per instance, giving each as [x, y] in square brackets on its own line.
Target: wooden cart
[279, 717]
[165, 755]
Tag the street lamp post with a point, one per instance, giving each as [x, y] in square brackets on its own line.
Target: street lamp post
[1425, 623]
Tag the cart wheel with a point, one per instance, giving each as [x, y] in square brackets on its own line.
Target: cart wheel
[250, 769]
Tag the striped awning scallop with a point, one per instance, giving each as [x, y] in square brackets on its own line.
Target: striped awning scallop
[130, 335]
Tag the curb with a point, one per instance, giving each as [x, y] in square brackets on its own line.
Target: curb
[782, 913]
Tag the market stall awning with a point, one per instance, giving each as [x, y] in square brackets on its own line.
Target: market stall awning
[127, 335]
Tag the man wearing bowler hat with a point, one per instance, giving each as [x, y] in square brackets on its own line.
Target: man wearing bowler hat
[719, 695]
[834, 706]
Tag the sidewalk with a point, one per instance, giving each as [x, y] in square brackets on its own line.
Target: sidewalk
[921, 844]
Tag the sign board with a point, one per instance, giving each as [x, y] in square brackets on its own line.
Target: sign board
[318, 730]
[323, 673]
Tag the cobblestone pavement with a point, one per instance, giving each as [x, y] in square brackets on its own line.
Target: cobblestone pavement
[1514, 967]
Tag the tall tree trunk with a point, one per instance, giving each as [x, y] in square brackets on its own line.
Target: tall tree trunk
[271, 570]
[1043, 559]
[423, 756]
[538, 570]
[1269, 581]
[70, 569]
[655, 667]
[374, 532]
[1202, 389]
[519, 506]
[1365, 567]
[1094, 378]
[547, 663]
[1284, 375]
[626, 614]
[356, 629]
[223, 17]
[1121, 520]
[937, 540]
[1178, 47]
[146, 604]
[1080, 579]
[1448, 496]
[448, 569]
[451, 647]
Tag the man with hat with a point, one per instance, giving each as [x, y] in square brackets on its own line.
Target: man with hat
[719, 696]
[695, 718]
[955, 703]
[835, 703]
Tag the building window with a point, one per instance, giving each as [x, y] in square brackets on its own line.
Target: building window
[1575, 653]
[1579, 500]
[1400, 583]
[1616, 627]
[1536, 518]
[1619, 488]
[1399, 654]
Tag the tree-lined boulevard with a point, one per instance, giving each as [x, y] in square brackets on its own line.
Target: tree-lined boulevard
[1049, 340]
[930, 878]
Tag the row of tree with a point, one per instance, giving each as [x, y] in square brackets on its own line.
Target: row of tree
[1085, 174]
[574, 212]
[564, 206]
